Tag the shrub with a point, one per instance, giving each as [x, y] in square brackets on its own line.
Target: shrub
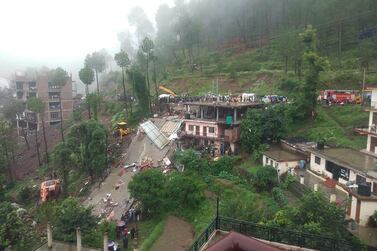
[264, 179]
[279, 196]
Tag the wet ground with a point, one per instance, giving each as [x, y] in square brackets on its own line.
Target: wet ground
[139, 149]
[177, 236]
[311, 179]
[60, 246]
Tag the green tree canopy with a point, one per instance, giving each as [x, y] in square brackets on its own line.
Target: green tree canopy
[184, 192]
[265, 178]
[71, 214]
[62, 159]
[313, 213]
[263, 125]
[59, 76]
[36, 105]
[192, 161]
[149, 188]
[87, 141]
[86, 75]
[13, 231]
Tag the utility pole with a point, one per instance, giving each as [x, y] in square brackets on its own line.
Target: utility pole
[362, 91]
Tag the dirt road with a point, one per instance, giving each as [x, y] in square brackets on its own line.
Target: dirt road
[177, 236]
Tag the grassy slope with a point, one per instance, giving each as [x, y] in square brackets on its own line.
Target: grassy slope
[259, 71]
[335, 124]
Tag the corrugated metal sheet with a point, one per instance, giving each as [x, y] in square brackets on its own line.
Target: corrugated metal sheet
[171, 126]
[154, 134]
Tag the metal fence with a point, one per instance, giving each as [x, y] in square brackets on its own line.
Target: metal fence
[273, 234]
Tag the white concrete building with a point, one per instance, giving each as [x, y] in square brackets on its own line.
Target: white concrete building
[356, 172]
[282, 160]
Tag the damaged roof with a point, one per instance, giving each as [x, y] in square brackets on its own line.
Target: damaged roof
[154, 134]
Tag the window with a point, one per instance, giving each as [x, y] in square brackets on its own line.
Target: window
[267, 160]
[191, 128]
[211, 129]
[19, 85]
[55, 115]
[317, 160]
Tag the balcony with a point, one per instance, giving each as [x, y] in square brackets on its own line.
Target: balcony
[196, 135]
[54, 97]
[54, 88]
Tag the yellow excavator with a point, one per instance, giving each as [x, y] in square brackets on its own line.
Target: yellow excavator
[121, 130]
[49, 189]
[167, 90]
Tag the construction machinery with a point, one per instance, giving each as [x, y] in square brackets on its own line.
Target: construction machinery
[121, 130]
[49, 189]
[167, 90]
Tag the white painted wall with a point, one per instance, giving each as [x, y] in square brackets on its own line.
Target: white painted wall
[282, 166]
[353, 207]
[321, 168]
[367, 209]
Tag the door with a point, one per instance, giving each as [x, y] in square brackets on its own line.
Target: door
[204, 131]
[375, 188]
[197, 130]
[358, 206]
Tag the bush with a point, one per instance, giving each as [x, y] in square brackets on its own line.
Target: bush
[184, 192]
[279, 196]
[192, 161]
[264, 179]
[373, 220]
[149, 188]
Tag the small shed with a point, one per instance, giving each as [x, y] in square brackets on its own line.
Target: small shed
[282, 159]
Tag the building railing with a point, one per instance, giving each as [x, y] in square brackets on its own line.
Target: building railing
[207, 136]
[273, 234]
[204, 236]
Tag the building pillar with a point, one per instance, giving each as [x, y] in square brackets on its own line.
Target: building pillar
[217, 114]
[302, 179]
[235, 115]
[105, 241]
[201, 113]
[78, 238]
[333, 198]
[49, 236]
[315, 187]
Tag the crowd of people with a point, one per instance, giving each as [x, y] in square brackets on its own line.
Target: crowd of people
[245, 97]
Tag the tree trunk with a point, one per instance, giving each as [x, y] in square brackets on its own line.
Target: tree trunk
[87, 103]
[45, 140]
[148, 83]
[97, 81]
[10, 172]
[124, 92]
[25, 136]
[61, 117]
[37, 147]
[155, 79]
[65, 180]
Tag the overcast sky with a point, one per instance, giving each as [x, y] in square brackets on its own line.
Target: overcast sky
[61, 32]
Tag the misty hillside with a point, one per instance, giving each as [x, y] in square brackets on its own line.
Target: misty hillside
[245, 44]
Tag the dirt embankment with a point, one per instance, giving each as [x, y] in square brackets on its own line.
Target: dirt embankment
[177, 235]
[26, 160]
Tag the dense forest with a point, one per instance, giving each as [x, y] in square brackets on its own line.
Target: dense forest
[193, 35]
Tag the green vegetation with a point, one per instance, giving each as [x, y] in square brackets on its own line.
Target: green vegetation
[334, 124]
[153, 236]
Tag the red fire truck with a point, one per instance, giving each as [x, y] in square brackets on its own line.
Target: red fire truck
[340, 96]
